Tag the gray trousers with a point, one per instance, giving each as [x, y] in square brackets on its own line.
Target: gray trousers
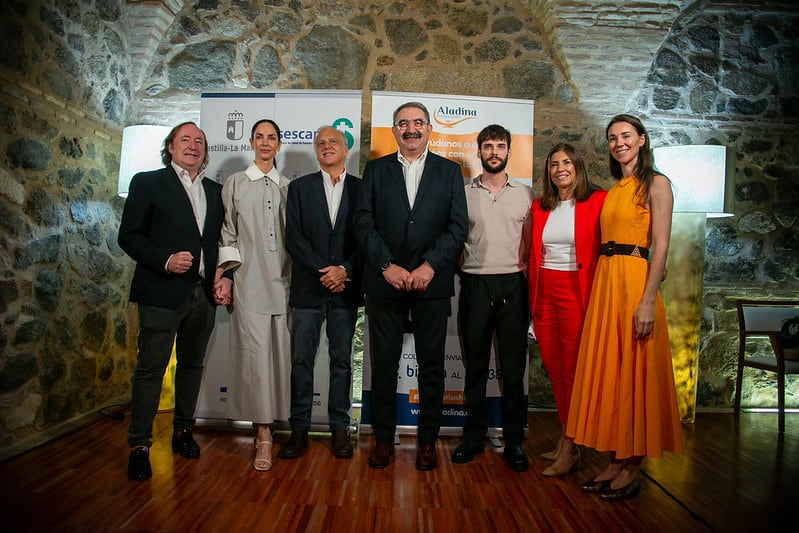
[188, 327]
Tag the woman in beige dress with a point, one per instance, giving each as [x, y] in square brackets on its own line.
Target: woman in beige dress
[252, 242]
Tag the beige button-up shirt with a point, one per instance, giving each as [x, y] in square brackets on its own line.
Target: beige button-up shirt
[498, 241]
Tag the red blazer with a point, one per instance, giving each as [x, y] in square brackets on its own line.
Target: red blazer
[586, 242]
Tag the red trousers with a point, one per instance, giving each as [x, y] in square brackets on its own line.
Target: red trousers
[558, 322]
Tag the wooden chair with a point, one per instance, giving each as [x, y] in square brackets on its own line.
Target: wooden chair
[763, 318]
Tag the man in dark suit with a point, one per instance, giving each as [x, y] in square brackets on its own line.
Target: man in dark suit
[325, 285]
[170, 226]
[411, 223]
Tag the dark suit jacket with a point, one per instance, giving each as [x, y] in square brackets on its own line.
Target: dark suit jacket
[158, 221]
[313, 242]
[389, 230]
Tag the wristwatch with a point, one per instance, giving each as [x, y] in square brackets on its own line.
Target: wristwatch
[385, 266]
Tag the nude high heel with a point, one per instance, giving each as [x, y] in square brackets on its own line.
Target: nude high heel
[553, 454]
[263, 455]
[574, 463]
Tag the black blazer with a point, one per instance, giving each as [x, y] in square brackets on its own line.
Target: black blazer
[389, 230]
[158, 221]
[314, 243]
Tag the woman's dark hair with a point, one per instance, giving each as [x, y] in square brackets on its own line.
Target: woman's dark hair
[270, 121]
[166, 157]
[550, 198]
[645, 167]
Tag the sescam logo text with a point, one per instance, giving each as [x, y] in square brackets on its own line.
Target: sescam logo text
[307, 136]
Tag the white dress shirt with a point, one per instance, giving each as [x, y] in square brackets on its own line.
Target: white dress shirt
[412, 170]
[194, 189]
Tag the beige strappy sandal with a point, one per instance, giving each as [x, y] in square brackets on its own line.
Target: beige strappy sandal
[263, 455]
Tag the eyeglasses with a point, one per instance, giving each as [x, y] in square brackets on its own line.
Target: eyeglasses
[418, 122]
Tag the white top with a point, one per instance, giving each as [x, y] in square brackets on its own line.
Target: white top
[558, 248]
[333, 194]
[412, 170]
[194, 189]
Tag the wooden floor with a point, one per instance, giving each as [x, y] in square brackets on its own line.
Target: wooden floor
[737, 474]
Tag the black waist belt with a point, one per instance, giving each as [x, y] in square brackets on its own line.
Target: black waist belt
[614, 248]
[491, 277]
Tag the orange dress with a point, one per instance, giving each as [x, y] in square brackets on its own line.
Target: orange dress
[624, 397]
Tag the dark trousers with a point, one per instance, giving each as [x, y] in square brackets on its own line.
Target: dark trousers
[306, 328]
[494, 304]
[188, 328]
[387, 319]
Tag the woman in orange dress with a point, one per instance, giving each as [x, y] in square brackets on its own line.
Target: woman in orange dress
[624, 398]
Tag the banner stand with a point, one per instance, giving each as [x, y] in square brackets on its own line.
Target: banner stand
[227, 117]
[456, 121]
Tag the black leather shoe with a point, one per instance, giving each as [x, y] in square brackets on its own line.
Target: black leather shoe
[381, 455]
[340, 444]
[515, 458]
[183, 443]
[139, 464]
[592, 486]
[622, 493]
[466, 451]
[296, 445]
[426, 456]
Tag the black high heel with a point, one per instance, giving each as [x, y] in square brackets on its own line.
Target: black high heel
[622, 493]
[592, 486]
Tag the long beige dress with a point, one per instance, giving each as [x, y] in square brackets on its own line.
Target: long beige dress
[259, 385]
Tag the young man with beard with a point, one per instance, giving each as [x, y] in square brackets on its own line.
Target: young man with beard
[493, 298]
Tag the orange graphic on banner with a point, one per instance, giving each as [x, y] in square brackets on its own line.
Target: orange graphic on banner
[450, 397]
[463, 149]
[456, 397]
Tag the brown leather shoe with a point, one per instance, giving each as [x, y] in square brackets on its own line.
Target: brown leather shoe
[340, 444]
[426, 456]
[381, 455]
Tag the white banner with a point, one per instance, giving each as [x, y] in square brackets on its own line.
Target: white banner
[227, 119]
[456, 122]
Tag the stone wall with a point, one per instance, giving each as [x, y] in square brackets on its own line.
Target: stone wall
[74, 73]
[729, 77]
[67, 345]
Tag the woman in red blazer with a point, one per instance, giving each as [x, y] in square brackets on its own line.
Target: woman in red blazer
[563, 257]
